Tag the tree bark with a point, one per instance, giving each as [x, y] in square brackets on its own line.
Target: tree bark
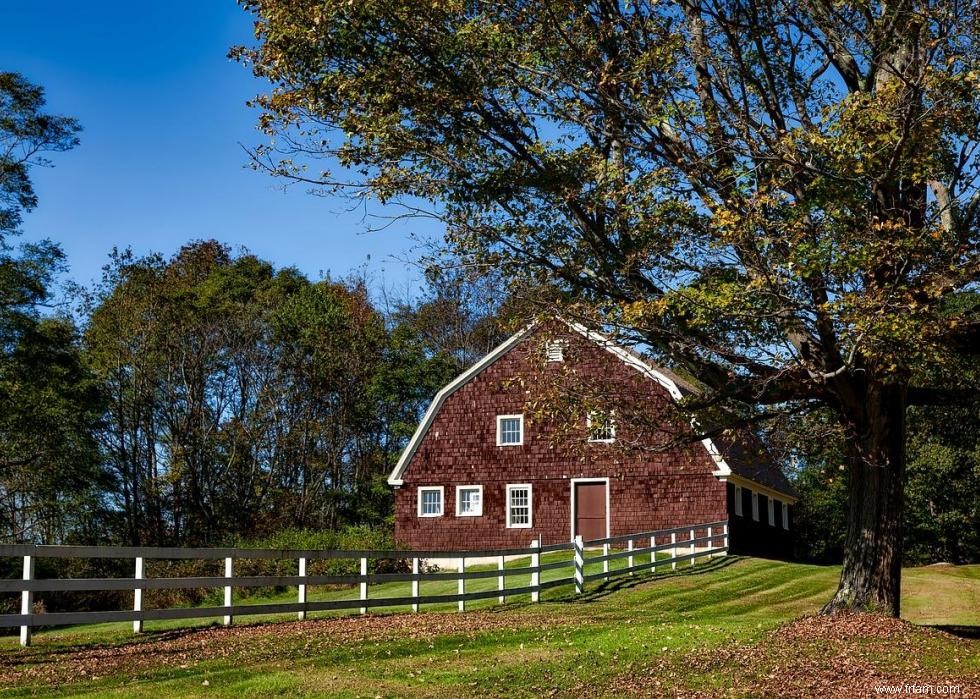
[871, 576]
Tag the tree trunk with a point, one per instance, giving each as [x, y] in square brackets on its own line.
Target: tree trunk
[871, 576]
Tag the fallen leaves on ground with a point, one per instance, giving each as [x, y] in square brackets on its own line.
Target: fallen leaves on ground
[184, 649]
[844, 655]
[838, 656]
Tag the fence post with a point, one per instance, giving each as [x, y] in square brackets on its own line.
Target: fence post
[579, 565]
[415, 585]
[461, 584]
[653, 554]
[605, 563]
[302, 589]
[692, 547]
[27, 601]
[629, 559]
[711, 543]
[535, 570]
[229, 572]
[725, 530]
[364, 591]
[138, 596]
[500, 579]
[673, 550]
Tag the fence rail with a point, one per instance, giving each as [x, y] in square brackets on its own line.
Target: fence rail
[702, 541]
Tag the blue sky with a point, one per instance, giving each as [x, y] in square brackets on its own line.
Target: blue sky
[160, 161]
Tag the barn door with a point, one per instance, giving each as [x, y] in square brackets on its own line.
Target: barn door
[590, 510]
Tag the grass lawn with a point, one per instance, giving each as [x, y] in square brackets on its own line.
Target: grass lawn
[722, 627]
[119, 631]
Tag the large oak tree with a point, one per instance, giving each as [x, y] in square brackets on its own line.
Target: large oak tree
[780, 197]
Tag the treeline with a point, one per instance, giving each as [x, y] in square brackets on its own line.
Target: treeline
[211, 396]
[205, 397]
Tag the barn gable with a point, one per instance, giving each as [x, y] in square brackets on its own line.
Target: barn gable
[732, 461]
[672, 384]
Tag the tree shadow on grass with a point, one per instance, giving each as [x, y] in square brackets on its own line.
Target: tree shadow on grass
[959, 630]
[39, 651]
[598, 590]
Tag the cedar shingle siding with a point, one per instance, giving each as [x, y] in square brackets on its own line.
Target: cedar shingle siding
[459, 447]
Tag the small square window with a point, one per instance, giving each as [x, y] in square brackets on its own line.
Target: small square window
[469, 501]
[430, 501]
[602, 427]
[519, 506]
[510, 430]
[738, 501]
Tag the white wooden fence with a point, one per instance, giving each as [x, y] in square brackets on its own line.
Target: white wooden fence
[684, 544]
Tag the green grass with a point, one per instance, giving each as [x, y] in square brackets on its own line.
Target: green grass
[122, 631]
[942, 595]
[675, 628]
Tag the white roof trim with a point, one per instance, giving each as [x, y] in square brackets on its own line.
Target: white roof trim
[396, 475]
[759, 488]
[627, 357]
[661, 378]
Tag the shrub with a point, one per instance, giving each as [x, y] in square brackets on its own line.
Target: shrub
[359, 537]
[351, 538]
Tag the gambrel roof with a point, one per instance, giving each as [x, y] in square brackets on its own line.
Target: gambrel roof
[734, 461]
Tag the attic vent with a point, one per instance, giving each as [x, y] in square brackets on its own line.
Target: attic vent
[556, 351]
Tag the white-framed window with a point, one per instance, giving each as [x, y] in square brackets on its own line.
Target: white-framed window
[519, 504]
[555, 350]
[601, 427]
[738, 501]
[510, 430]
[786, 516]
[469, 500]
[772, 512]
[755, 506]
[431, 500]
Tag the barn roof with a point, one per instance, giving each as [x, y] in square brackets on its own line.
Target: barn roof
[749, 461]
[741, 460]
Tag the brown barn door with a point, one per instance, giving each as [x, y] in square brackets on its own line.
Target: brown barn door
[590, 510]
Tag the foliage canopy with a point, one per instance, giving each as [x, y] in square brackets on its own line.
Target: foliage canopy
[779, 197]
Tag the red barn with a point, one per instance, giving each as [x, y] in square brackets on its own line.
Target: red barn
[483, 471]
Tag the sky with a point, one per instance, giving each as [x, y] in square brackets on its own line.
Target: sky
[161, 159]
